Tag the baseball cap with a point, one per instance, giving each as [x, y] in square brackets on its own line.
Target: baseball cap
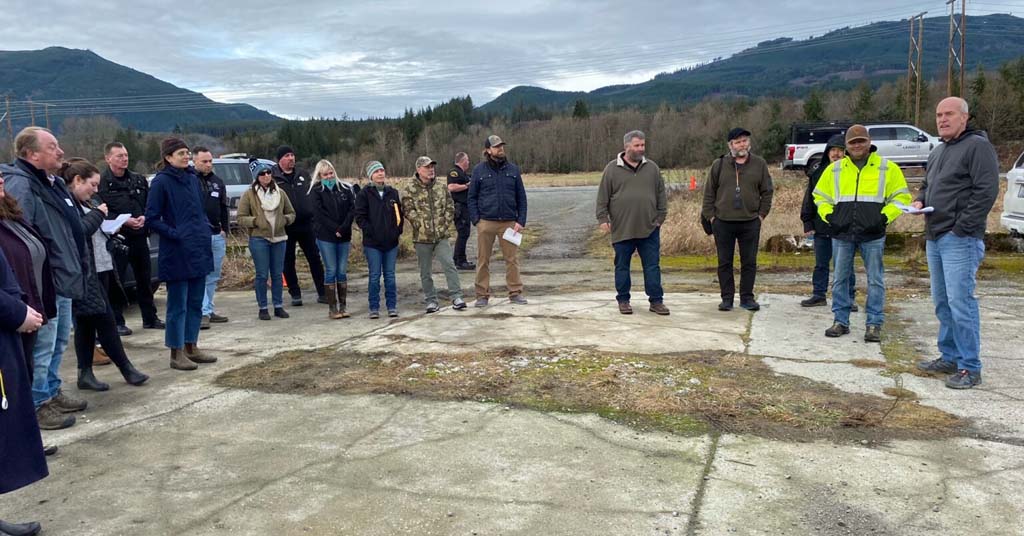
[425, 161]
[857, 132]
[493, 141]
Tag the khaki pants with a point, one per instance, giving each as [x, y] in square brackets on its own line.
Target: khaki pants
[486, 232]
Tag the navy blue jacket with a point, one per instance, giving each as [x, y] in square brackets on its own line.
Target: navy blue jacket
[175, 211]
[21, 448]
[497, 194]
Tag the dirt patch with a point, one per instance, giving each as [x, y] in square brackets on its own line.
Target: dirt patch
[682, 393]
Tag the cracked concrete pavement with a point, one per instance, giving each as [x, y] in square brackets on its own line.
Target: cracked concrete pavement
[183, 455]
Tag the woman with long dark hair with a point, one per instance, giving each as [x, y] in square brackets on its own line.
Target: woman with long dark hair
[263, 212]
[94, 318]
[174, 210]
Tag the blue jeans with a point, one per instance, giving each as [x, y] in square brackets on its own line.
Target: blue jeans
[822, 259]
[953, 264]
[184, 311]
[335, 255]
[51, 341]
[219, 250]
[871, 252]
[268, 259]
[382, 262]
[649, 250]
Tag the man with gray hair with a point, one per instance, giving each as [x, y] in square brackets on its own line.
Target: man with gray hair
[960, 186]
[458, 187]
[631, 206]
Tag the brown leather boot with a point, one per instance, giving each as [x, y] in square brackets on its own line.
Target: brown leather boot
[343, 299]
[194, 354]
[331, 291]
[180, 362]
[100, 357]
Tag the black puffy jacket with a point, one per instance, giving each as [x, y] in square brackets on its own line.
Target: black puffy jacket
[334, 210]
[380, 219]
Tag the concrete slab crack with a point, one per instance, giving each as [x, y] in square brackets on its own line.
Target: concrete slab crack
[693, 521]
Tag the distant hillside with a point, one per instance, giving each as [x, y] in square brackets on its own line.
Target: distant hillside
[839, 59]
[81, 82]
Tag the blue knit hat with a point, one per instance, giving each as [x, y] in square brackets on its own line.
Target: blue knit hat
[255, 167]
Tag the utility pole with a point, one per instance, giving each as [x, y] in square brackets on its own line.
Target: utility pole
[957, 49]
[914, 65]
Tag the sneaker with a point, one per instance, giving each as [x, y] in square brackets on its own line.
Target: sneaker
[280, 312]
[837, 330]
[155, 324]
[392, 313]
[65, 404]
[124, 331]
[218, 319]
[659, 309]
[458, 304]
[374, 315]
[814, 301]
[750, 305]
[204, 323]
[873, 334]
[726, 305]
[297, 302]
[937, 365]
[853, 307]
[625, 308]
[963, 379]
[264, 314]
[481, 302]
[518, 299]
[432, 308]
[51, 419]
[466, 266]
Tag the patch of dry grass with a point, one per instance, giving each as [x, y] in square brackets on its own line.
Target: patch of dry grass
[683, 393]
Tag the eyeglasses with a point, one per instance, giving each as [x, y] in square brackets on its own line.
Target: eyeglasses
[262, 173]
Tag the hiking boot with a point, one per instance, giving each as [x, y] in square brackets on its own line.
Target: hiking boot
[280, 312]
[204, 322]
[51, 419]
[123, 331]
[155, 324]
[374, 314]
[432, 308]
[814, 301]
[750, 305]
[837, 330]
[180, 362]
[195, 355]
[726, 305]
[481, 302]
[625, 308]
[87, 381]
[392, 313]
[99, 357]
[963, 379]
[518, 299]
[873, 334]
[458, 304]
[937, 365]
[65, 404]
[218, 319]
[264, 314]
[19, 529]
[659, 309]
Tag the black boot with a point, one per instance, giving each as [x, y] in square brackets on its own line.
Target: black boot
[19, 529]
[87, 381]
[132, 375]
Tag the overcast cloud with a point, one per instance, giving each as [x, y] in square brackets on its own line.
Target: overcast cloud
[331, 58]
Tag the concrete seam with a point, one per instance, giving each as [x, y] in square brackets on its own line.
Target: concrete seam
[693, 521]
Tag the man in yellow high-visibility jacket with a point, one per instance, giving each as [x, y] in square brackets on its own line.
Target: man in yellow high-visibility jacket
[857, 196]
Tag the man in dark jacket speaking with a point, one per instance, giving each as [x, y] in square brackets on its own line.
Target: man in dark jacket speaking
[497, 201]
[961, 186]
[295, 183]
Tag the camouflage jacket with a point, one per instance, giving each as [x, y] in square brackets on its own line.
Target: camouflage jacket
[429, 210]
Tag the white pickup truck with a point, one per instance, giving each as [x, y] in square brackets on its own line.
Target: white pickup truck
[902, 143]
[1013, 200]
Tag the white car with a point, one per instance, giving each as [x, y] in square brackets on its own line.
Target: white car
[1013, 199]
[902, 143]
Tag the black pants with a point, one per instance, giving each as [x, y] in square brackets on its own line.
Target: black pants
[138, 257]
[307, 241]
[89, 328]
[727, 234]
[462, 227]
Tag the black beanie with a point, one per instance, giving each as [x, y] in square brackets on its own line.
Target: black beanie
[283, 150]
[169, 145]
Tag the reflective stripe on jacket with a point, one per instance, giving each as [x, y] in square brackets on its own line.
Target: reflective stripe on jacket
[859, 203]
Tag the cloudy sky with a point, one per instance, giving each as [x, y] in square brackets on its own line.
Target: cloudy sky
[337, 57]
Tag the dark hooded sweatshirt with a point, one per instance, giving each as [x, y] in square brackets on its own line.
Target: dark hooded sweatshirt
[962, 183]
[809, 212]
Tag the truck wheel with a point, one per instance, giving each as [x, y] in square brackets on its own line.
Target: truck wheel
[813, 161]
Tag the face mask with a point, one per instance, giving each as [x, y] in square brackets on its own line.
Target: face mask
[329, 183]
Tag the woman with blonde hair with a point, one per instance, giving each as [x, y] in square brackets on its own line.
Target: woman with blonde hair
[264, 211]
[333, 212]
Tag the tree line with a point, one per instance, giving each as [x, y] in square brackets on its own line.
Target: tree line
[573, 139]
